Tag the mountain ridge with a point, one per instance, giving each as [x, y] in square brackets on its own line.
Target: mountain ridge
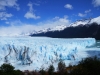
[80, 31]
[81, 22]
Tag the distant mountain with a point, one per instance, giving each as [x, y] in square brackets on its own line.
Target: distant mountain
[79, 29]
[60, 27]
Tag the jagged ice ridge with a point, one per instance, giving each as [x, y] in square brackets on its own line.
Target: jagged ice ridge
[33, 53]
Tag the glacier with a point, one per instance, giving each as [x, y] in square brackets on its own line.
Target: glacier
[34, 53]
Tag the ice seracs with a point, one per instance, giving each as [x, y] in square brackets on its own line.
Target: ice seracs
[40, 52]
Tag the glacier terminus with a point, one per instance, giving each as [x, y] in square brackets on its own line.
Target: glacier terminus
[34, 53]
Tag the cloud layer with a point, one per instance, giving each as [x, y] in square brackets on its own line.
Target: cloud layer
[81, 15]
[30, 13]
[8, 3]
[18, 28]
[85, 13]
[68, 6]
[96, 3]
[4, 15]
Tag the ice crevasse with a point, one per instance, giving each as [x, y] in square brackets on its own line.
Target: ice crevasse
[40, 52]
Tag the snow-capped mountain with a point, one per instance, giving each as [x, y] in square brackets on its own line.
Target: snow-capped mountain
[62, 27]
[86, 21]
[79, 29]
[56, 28]
[30, 30]
[81, 22]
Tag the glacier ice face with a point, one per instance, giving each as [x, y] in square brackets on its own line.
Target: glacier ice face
[39, 52]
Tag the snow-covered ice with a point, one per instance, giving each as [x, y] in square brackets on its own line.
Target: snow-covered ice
[33, 53]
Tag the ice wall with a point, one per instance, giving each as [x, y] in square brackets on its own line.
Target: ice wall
[40, 52]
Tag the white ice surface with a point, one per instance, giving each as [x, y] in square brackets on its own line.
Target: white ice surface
[33, 53]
